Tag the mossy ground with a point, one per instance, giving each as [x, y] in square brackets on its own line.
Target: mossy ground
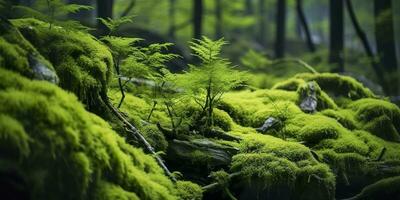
[53, 143]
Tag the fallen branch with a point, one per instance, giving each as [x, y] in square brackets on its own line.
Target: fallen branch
[216, 185]
[132, 129]
[223, 135]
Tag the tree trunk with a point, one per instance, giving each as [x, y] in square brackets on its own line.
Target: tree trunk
[367, 47]
[171, 15]
[336, 35]
[385, 41]
[304, 24]
[218, 19]
[104, 10]
[197, 18]
[248, 7]
[262, 32]
[280, 28]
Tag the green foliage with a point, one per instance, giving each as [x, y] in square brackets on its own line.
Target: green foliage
[114, 24]
[207, 82]
[54, 12]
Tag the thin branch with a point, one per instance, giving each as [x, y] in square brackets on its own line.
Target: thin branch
[132, 129]
[298, 61]
[217, 185]
[128, 9]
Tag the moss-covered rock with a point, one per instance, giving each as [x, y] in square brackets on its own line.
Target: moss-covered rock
[17, 54]
[333, 84]
[62, 151]
[82, 63]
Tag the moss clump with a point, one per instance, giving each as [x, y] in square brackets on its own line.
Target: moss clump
[252, 108]
[275, 163]
[17, 54]
[82, 63]
[333, 84]
[66, 152]
[222, 119]
[379, 117]
[189, 191]
[387, 188]
[345, 117]
[154, 137]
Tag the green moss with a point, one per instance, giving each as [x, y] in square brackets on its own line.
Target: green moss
[82, 63]
[333, 84]
[385, 188]
[345, 117]
[189, 191]
[252, 108]
[276, 163]
[71, 152]
[154, 137]
[379, 117]
[222, 119]
[17, 54]
[269, 169]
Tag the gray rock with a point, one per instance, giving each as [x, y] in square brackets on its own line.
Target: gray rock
[269, 123]
[41, 71]
[309, 102]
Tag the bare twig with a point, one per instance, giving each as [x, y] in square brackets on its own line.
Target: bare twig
[132, 129]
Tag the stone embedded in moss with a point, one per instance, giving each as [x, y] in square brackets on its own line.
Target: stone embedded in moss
[82, 63]
[155, 138]
[66, 152]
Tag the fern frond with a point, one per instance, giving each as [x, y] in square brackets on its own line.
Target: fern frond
[114, 24]
[74, 8]
[206, 49]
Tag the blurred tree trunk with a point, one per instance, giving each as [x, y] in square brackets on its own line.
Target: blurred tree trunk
[280, 28]
[336, 42]
[248, 7]
[171, 15]
[218, 19]
[104, 10]
[262, 26]
[304, 25]
[385, 42]
[364, 41]
[197, 18]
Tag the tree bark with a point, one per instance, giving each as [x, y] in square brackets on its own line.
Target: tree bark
[218, 19]
[171, 15]
[248, 7]
[262, 26]
[280, 28]
[336, 45]
[385, 41]
[197, 18]
[104, 10]
[304, 24]
[128, 9]
[367, 47]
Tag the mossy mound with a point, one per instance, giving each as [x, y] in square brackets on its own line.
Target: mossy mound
[17, 54]
[269, 163]
[333, 84]
[60, 151]
[83, 64]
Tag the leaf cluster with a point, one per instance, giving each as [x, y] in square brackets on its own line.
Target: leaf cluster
[54, 12]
